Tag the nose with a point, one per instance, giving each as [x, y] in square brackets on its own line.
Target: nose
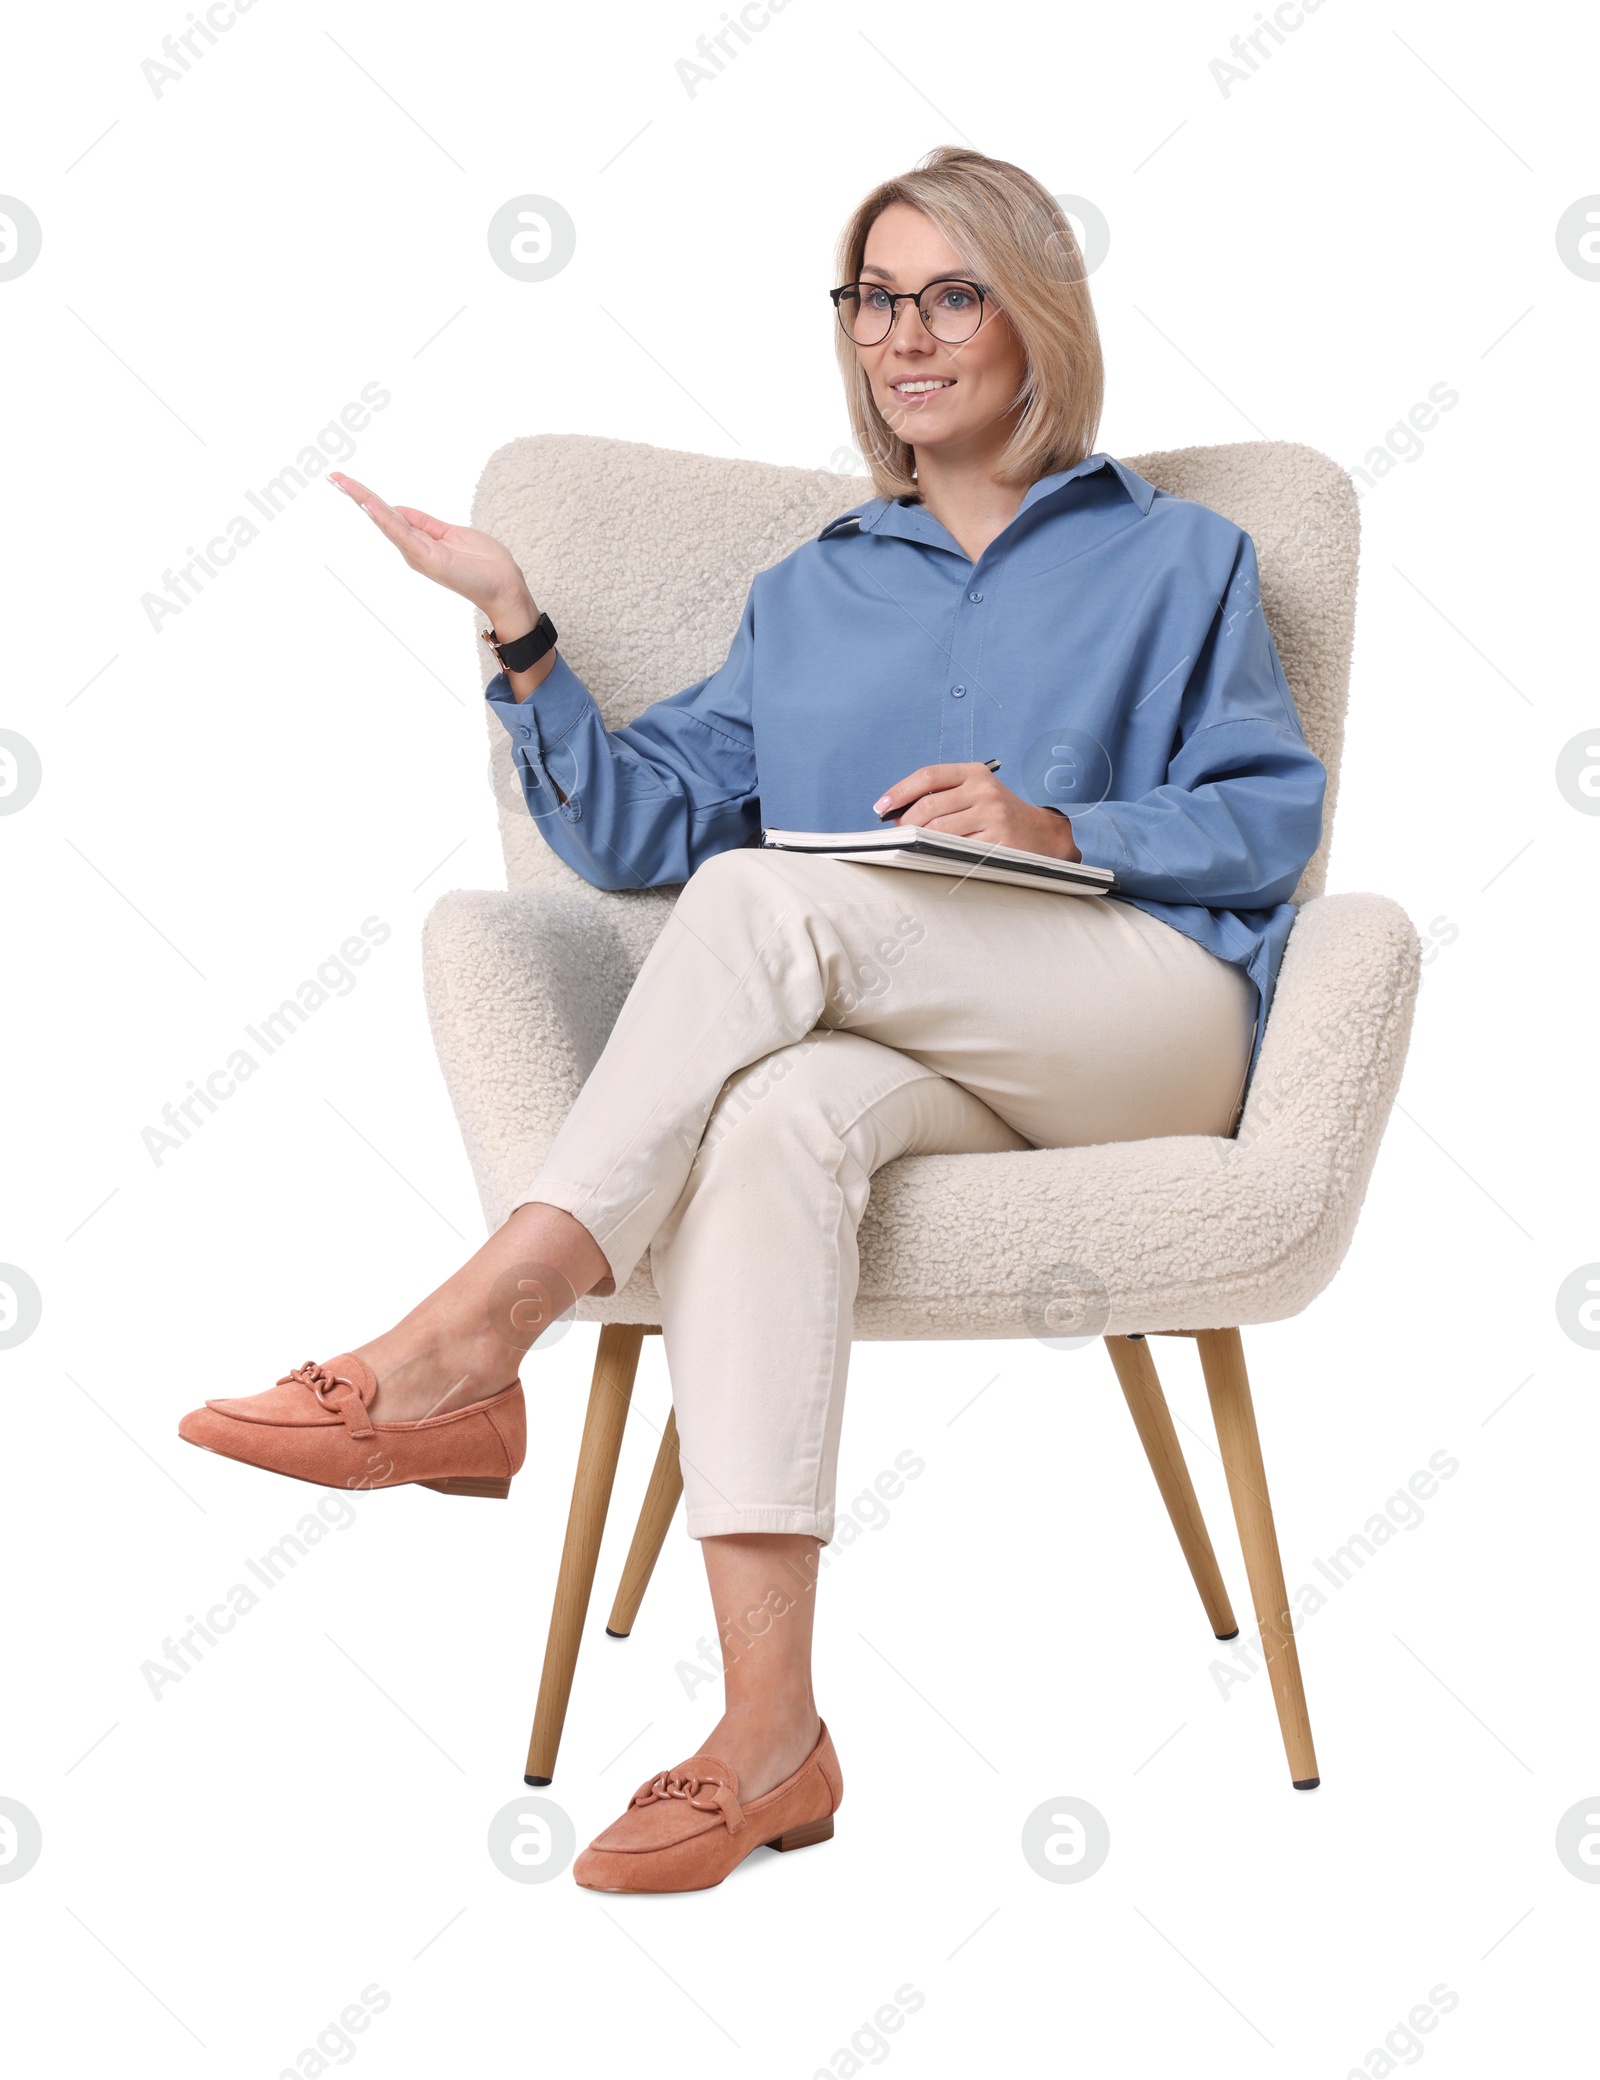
[910, 335]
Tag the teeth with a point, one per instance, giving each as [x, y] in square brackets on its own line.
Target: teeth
[919, 388]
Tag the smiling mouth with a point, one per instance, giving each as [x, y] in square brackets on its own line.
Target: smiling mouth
[915, 388]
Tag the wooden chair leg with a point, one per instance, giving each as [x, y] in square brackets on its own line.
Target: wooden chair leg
[655, 1514]
[610, 1392]
[1228, 1386]
[1141, 1389]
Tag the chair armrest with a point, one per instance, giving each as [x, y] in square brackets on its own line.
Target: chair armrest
[1323, 1089]
[523, 987]
[1337, 1035]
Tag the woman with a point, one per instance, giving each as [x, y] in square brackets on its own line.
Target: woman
[1009, 595]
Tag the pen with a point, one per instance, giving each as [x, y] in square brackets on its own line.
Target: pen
[990, 765]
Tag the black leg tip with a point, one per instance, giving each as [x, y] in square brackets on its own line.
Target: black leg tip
[1234, 1634]
[536, 1780]
[615, 1635]
[1306, 1783]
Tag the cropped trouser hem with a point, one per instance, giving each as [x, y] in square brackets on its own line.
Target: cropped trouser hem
[806, 1523]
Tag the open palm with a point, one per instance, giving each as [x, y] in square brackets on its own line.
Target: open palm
[472, 564]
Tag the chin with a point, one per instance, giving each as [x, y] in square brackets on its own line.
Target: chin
[914, 436]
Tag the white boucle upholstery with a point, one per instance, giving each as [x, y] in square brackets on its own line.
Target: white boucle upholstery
[643, 557]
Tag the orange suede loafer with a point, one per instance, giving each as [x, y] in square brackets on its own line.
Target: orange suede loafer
[686, 1829]
[314, 1426]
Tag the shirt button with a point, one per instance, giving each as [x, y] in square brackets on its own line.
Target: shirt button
[976, 598]
[957, 692]
[523, 731]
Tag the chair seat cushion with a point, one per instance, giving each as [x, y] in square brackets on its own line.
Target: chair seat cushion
[1189, 1231]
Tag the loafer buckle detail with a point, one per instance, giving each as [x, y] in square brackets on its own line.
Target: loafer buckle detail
[677, 1783]
[322, 1384]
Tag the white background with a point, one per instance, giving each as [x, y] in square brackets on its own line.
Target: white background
[304, 1815]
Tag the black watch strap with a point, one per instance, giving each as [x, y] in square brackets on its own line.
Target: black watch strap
[523, 651]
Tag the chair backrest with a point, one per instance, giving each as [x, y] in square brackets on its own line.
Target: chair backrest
[643, 557]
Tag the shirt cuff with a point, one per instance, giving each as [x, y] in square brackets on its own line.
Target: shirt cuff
[1098, 840]
[555, 707]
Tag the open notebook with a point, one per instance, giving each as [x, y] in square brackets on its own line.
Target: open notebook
[940, 852]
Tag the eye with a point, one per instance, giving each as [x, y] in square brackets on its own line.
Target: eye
[874, 299]
[955, 296]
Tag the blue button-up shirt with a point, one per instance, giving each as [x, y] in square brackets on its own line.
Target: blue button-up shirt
[1108, 647]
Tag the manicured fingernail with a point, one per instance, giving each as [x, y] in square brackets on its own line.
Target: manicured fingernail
[880, 805]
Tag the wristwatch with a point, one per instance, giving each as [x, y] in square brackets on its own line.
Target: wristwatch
[523, 651]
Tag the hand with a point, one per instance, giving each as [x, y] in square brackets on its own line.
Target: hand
[460, 558]
[971, 802]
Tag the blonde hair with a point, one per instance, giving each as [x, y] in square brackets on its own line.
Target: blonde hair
[1016, 239]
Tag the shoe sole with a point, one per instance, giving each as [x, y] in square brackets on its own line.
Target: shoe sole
[795, 1838]
[496, 1488]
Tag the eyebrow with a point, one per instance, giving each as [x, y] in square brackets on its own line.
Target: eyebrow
[885, 274]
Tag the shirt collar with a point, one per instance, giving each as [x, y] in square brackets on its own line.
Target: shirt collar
[915, 523]
[1138, 488]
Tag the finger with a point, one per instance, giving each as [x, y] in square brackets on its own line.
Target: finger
[923, 781]
[942, 801]
[425, 523]
[394, 529]
[384, 516]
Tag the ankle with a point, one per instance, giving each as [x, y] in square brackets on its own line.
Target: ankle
[765, 1740]
[551, 1238]
[783, 1699]
[426, 1371]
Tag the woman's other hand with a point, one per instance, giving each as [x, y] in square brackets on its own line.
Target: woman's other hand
[971, 802]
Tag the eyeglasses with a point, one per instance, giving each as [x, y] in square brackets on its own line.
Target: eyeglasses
[950, 308]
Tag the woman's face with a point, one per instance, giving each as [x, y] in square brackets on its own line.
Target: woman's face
[934, 396]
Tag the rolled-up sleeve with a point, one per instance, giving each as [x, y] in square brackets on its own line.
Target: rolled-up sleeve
[1240, 810]
[641, 806]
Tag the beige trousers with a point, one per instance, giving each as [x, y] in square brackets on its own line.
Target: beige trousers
[801, 1021]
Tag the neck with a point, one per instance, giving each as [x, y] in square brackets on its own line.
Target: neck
[965, 496]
